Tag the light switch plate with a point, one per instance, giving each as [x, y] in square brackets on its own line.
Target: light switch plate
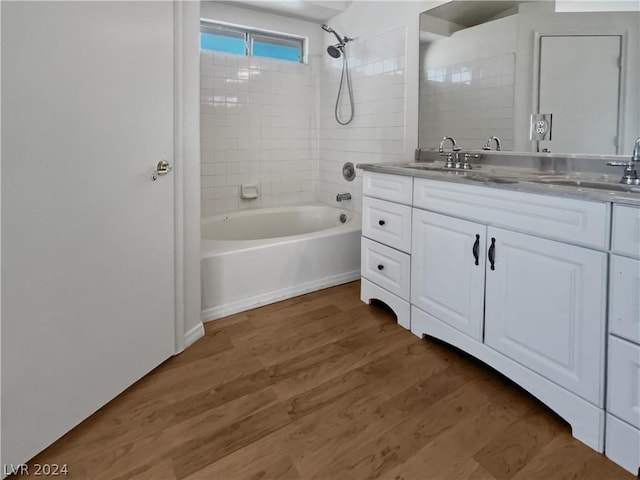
[540, 127]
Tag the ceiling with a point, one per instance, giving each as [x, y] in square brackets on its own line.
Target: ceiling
[472, 12]
[316, 11]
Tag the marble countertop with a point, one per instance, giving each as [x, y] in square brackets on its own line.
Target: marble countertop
[566, 184]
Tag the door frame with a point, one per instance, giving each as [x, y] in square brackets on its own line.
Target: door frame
[188, 325]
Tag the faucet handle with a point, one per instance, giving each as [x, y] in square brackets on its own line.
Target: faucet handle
[449, 163]
[619, 164]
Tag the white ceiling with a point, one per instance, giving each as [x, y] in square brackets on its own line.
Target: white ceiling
[310, 10]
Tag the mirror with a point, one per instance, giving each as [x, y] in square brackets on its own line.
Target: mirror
[487, 66]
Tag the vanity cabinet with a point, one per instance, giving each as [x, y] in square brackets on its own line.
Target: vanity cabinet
[386, 242]
[623, 366]
[524, 282]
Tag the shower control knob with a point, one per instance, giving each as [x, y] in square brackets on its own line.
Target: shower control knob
[381, 222]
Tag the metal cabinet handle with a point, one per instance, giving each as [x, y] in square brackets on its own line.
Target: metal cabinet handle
[380, 267]
[381, 222]
[476, 249]
[162, 168]
[492, 254]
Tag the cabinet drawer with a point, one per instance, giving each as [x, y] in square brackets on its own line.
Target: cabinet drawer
[386, 267]
[624, 297]
[387, 222]
[576, 221]
[625, 235]
[396, 188]
[623, 381]
[623, 444]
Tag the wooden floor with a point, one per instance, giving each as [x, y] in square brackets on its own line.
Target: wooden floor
[324, 386]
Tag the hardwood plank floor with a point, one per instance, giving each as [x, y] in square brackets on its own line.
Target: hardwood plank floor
[324, 386]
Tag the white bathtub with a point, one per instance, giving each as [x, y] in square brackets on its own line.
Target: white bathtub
[255, 257]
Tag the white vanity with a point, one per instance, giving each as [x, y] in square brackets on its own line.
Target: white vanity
[543, 287]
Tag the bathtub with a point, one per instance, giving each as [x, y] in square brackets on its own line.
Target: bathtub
[256, 257]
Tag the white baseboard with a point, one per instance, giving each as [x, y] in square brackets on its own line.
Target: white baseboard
[276, 295]
[194, 334]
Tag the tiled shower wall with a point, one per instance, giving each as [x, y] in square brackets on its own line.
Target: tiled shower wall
[258, 126]
[377, 132]
[470, 101]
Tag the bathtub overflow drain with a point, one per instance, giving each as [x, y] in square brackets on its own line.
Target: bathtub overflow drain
[343, 218]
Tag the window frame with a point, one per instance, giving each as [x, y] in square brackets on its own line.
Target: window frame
[252, 34]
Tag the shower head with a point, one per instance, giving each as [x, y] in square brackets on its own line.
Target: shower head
[335, 50]
[328, 29]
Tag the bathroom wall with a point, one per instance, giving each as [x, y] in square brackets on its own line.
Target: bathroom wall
[467, 85]
[377, 132]
[258, 126]
[258, 119]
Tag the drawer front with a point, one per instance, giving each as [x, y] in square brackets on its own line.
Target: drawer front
[624, 298]
[623, 381]
[386, 267]
[387, 222]
[625, 237]
[576, 221]
[623, 444]
[396, 188]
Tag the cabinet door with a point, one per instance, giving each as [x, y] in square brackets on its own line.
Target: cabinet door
[545, 308]
[446, 279]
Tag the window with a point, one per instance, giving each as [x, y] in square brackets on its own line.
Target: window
[240, 41]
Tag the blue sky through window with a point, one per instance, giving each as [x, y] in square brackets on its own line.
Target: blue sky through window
[222, 43]
[282, 52]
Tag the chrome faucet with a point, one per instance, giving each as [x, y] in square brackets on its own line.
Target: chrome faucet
[343, 196]
[455, 148]
[487, 146]
[630, 175]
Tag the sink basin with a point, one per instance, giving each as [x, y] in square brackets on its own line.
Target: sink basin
[570, 182]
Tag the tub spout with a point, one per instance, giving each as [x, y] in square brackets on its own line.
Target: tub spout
[343, 196]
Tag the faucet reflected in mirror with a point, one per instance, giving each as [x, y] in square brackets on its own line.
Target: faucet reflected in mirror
[487, 146]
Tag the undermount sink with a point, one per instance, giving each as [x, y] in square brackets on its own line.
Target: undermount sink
[572, 182]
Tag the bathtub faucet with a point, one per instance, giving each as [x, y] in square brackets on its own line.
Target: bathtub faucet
[343, 196]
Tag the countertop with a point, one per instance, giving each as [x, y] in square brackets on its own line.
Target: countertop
[520, 180]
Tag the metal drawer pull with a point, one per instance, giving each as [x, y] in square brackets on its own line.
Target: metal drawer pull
[492, 254]
[381, 222]
[380, 267]
[476, 249]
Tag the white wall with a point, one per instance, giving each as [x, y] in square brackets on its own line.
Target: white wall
[258, 126]
[377, 132]
[259, 121]
[366, 21]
